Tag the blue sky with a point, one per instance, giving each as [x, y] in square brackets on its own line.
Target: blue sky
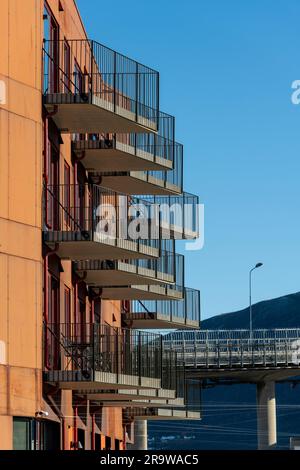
[226, 69]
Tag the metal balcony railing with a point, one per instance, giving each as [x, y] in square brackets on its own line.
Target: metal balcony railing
[236, 348]
[166, 271]
[173, 373]
[171, 180]
[159, 269]
[88, 348]
[160, 145]
[178, 213]
[94, 212]
[84, 71]
[183, 311]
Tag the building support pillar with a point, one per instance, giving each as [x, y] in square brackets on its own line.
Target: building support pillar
[140, 435]
[266, 415]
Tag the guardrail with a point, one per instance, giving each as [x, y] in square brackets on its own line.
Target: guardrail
[180, 211]
[237, 348]
[180, 311]
[90, 347]
[85, 208]
[84, 68]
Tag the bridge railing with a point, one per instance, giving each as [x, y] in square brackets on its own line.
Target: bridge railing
[237, 348]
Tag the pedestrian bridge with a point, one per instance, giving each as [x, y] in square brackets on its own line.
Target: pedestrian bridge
[262, 357]
[221, 350]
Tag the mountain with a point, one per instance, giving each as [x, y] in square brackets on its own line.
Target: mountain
[282, 312]
[229, 412]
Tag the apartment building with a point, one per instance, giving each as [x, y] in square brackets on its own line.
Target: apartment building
[90, 174]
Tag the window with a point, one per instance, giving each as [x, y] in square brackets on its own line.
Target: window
[52, 213]
[22, 434]
[52, 333]
[67, 56]
[78, 78]
[51, 35]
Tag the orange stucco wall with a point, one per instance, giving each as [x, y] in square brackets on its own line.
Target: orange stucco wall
[20, 212]
[21, 178]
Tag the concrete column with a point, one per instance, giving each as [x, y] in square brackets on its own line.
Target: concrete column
[140, 435]
[266, 415]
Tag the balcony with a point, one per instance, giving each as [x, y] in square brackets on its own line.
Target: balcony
[170, 393]
[183, 314]
[127, 395]
[161, 217]
[161, 414]
[89, 222]
[142, 403]
[164, 183]
[123, 152]
[161, 278]
[89, 358]
[179, 216]
[142, 292]
[187, 405]
[92, 88]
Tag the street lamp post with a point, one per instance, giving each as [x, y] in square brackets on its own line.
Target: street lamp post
[258, 265]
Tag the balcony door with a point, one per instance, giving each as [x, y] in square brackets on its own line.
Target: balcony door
[51, 56]
[53, 187]
[81, 198]
[53, 324]
[78, 78]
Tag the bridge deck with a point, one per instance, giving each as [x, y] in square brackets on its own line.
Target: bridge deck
[236, 353]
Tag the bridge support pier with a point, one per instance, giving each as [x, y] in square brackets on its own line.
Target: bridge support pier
[266, 415]
[140, 435]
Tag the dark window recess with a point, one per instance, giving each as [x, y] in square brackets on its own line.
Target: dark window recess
[53, 178]
[107, 443]
[97, 442]
[49, 435]
[78, 78]
[67, 68]
[51, 34]
[81, 439]
[31, 434]
[52, 342]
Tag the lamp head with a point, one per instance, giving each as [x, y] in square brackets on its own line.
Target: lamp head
[258, 265]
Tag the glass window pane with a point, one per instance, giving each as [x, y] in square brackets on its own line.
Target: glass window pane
[21, 434]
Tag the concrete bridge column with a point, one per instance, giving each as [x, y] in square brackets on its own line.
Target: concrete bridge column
[140, 435]
[266, 415]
